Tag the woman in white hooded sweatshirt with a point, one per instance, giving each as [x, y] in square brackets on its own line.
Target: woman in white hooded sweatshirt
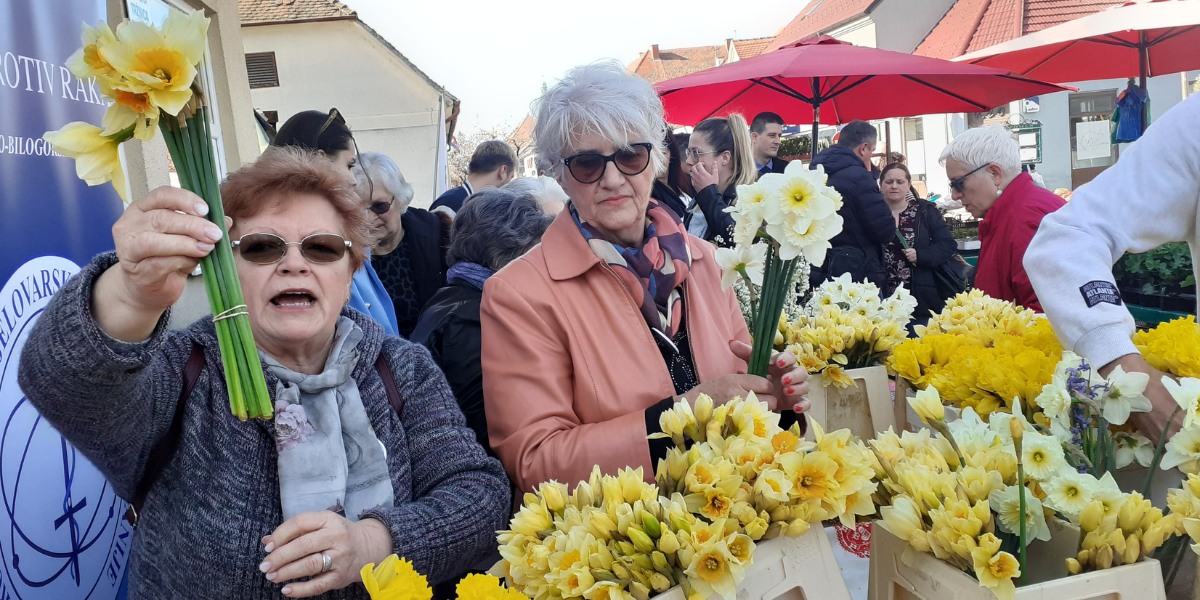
[1150, 197]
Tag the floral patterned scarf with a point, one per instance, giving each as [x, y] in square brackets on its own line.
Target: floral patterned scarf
[653, 274]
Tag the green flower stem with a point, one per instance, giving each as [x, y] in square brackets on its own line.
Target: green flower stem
[1158, 453]
[1021, 494]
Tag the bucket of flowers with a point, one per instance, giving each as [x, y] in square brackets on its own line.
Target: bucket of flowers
[843, 338]
[1019, 507]
[730, 515]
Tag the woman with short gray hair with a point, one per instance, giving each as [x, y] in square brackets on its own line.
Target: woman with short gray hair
[544, 189]
[492, 228]
[984, 167]
[408, 250]
[619, 313]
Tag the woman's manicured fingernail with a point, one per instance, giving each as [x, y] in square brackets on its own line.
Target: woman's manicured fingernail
[264, 567]
[787, 380]
[213, 232]
[782, 362]
[272, 575]
[269, 547]
[789, 390]
[286, 590]
[201, 208]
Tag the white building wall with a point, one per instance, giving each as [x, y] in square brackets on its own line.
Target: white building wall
[905, 23]
[389, 107]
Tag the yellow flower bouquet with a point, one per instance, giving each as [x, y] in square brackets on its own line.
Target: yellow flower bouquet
[149, 75]
[976, 494]
[846, 326]
[982, 353]
[395, 579]
[734, 478]
[1172, 347]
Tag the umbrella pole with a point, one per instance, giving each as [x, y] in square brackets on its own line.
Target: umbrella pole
[816, 128]
[1143, 68]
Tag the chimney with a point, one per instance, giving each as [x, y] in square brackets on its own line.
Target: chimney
[654, 55]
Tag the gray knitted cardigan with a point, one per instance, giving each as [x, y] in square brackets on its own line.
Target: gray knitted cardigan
[200, 529]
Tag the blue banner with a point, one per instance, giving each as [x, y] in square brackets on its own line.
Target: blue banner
[62, 535]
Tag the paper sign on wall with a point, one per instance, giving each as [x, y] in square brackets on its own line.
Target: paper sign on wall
[1092, 140]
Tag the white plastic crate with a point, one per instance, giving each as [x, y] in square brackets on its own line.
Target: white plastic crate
[865, 409]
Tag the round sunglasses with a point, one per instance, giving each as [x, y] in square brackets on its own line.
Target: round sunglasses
[588, 167]
[268, 248]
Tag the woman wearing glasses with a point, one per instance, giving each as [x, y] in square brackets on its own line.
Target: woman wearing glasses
[984, 167]
[409, 248]
[721, 159]
[367, 454]
[590, 336]
[329, 135]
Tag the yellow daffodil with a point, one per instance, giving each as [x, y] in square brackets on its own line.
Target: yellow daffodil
[1186, 393]
[902, 518]
[395, 579]
[996, 572]
[715, 572]
[477, 586]
[86, 62]
[773, 484]
[1007, 506]
[1173, 347]
[928, 405]
[1069, 492]
[1043, 455]
[159, 64]
[812, 474]
[97, 157]
[1183, 451]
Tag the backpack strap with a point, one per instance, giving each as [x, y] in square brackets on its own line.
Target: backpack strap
[162, 452]
[389, 384]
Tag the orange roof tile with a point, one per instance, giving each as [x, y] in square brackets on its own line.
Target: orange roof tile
[816, 17]
[523, 134]
[751, 48]
[283, 11]
[972, 25]
[677, 62]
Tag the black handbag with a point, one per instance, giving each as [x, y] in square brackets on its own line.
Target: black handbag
[952, 277]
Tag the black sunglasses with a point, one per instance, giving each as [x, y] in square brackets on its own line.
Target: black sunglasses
[381, 208]
[588, 167]
[268, 248]
[956, 184]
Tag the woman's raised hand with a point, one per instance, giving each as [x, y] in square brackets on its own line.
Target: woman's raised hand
[159, 240]
[702, 177]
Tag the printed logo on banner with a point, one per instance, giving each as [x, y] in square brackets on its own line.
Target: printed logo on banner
[62, 534]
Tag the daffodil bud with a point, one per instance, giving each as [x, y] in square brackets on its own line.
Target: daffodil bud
[643, 561]
[641, 541]
[626, 549]
[553, 496]
[660, 583]
[602, 526]
[1091, 515]
[610, 487]
[668, 543]
[620, 571]
[530, 499]
[928, 405]
[639, 591]
[1018, 432]
[1073, 566]
[797, 528]
[603, 575]
[584, 495]
[1131, 512]
[1084, 557]
[660, 562]
[1104, 557]
[757, 528]
[703, 410]
[1133, 549]
[624, 519]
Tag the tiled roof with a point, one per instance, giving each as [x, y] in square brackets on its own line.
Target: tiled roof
[677, 62]
[816, 17]
[282, 11]
[523, 134]
[751, 48]
[972, 25]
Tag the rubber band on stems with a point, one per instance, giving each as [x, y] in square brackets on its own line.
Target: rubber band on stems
[236, 311]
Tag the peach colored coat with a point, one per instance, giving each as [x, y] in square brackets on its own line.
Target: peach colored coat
[569, 364]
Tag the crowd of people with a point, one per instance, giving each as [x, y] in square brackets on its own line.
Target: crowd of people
[428, 364]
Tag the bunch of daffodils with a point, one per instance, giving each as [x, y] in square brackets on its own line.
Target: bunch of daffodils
[846, 326]
[982, 353]
[1172, 347]
[149, 75]
[395, 579]
[615, 538]
[972, 493]
[782, 223]
[734, 462]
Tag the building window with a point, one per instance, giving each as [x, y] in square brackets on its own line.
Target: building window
[260, 66]
[1090, 123]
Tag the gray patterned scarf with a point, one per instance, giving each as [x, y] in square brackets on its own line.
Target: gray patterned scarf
[329, 457]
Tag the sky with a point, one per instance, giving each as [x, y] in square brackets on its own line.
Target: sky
[494, 54]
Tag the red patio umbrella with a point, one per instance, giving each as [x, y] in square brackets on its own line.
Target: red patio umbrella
[848, 82]
[1136, 39]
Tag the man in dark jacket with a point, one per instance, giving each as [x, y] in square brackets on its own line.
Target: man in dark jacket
[493, 164]
[867, 221]
[766, 133]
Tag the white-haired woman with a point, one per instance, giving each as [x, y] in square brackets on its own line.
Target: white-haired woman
[409, 244]
[984, 167]
[590, 336]
[545, 190]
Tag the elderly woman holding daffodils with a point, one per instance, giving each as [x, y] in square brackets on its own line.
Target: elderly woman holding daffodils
[590, 337]
[368, 454]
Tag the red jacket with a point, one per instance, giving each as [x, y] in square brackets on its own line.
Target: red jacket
[1004, 235]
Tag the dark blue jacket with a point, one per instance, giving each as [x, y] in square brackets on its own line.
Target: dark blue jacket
[452, 199]
[867, 221]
